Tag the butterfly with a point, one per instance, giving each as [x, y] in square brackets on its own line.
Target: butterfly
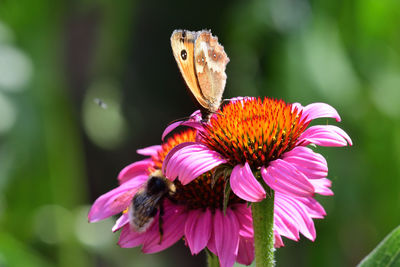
[202, 62]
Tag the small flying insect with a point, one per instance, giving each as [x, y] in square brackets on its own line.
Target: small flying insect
[149, 200]
[100, 102]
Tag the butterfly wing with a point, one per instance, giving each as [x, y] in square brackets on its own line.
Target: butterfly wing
[182, 43]
[210, 64]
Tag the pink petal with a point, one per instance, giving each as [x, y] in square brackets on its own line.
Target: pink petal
[173, 225]
[283, 226]
[211, 244]
[314, 209]
[198, 229]
[243, 215]
[311, 164]
[129, 238]
[245, 185]
[283, 177]
[324, 135]
[121, 222]
[245, 251]
[149, 151]
[199, 126]
[278, 240]
[170, 128]
[242, 99]
[322, 186]
[291, 212]
[226, 237]
[116, 200]
[195, 117]
[318, 110]
[189, 160]
[137, 168]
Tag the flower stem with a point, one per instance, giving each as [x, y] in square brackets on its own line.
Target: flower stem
[212, 260]
[263, 223]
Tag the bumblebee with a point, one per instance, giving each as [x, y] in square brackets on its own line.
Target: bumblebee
[149, 200]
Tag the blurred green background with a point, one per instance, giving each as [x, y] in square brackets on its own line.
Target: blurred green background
[59, 150]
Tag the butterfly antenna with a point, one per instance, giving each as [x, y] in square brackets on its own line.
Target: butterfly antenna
[181, 119]
[226, 100]
[218, 112]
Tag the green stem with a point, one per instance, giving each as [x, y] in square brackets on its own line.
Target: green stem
[212, 260]
[263, 223]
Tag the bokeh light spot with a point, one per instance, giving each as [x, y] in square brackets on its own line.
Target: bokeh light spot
[52, 224]
[15, 68]
[8, 114]
[386, 93]
[88, 233]
[328, 65]
[106, 127]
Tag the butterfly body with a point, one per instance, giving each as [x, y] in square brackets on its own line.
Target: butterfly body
[202, 62]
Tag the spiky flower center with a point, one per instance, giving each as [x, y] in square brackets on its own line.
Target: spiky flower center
[254, 130]
[205, 191]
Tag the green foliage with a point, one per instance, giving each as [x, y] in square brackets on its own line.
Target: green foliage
[13, 253]
[387, 253]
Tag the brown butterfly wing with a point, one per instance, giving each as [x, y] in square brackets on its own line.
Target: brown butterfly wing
[182, 43]
[210, 64]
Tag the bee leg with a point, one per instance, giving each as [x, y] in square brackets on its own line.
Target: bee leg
[160, 222]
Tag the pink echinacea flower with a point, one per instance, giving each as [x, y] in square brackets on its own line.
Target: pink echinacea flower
[259, 141]
[201, 212]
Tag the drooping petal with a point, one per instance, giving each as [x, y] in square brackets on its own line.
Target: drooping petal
[317, 110]
[149, 151]
[246, 243]
[226, 237]
[211, 243]
[195, 117]
[170, 128]
[198, 229]
[173, 169]
[137, 168]
[324, 135]
[291, 212]
[245, 185]
[121, 222]
[189, 160]
[245, 251]
[130, 238]
[115, 200]
[281, 176]
[311, 164]
[278, 240]
[314, 209]
[243, 215]
[322, 186]
[198, 125]
[173, 226]
[283, 225]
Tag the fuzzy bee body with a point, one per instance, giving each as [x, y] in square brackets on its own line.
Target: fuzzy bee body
[148, 201]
